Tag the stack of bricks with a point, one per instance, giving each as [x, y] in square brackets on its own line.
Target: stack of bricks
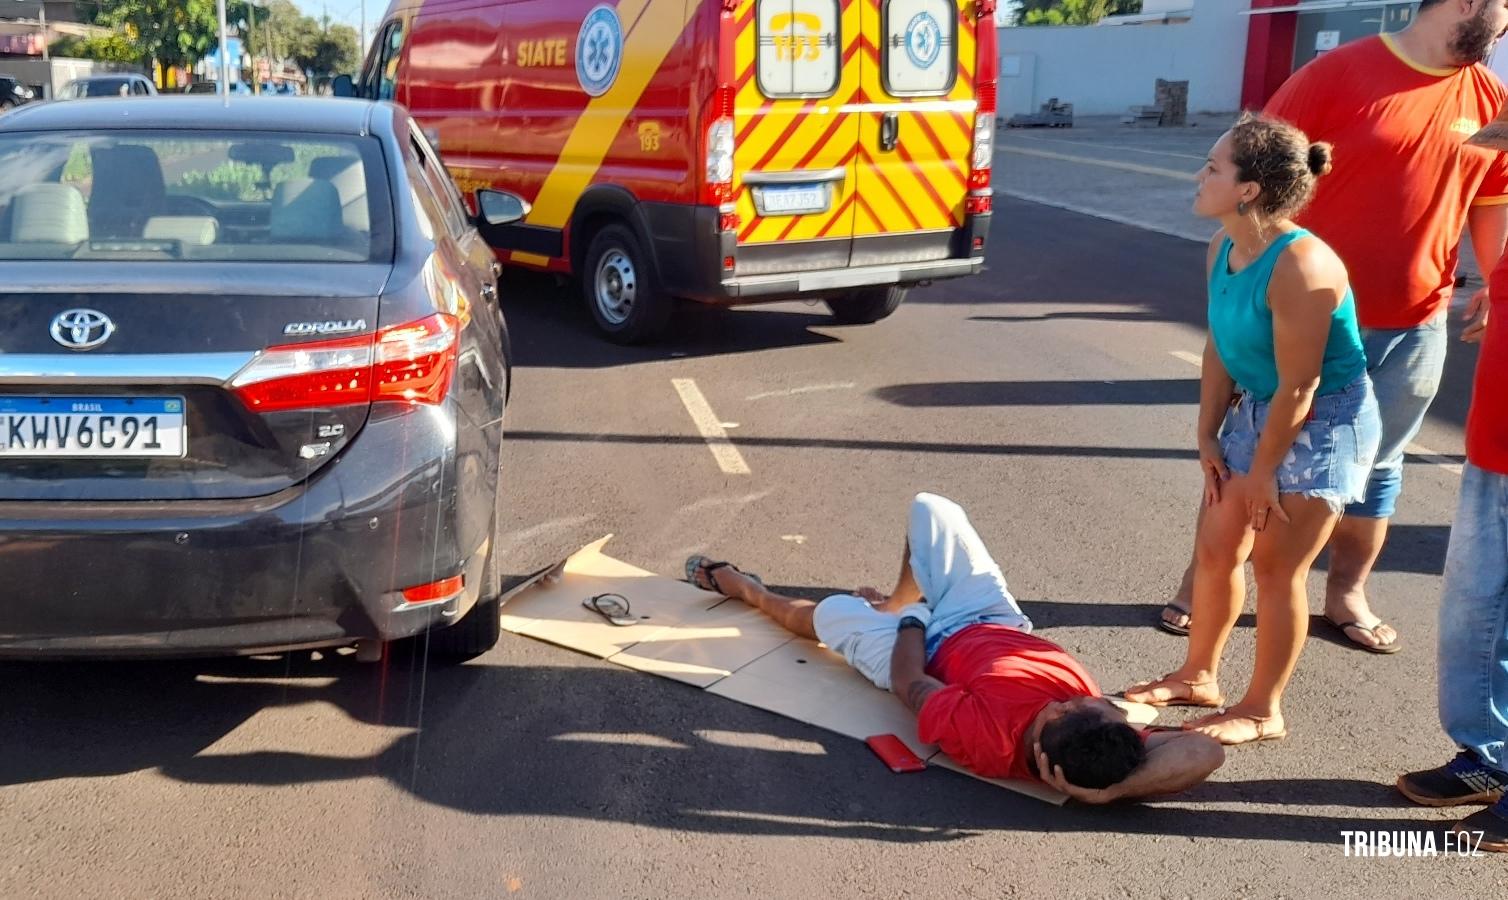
[1173, 100]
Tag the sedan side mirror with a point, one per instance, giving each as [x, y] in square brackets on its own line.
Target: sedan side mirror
[343, 86]
[500, 207]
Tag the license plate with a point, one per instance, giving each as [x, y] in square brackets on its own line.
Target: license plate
[794, 199]
[92, 426]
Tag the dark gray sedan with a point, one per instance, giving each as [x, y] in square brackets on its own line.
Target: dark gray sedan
[252, 379]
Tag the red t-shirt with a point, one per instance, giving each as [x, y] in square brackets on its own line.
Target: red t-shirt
[1487, 423]
[1396, 201]
[998, 679]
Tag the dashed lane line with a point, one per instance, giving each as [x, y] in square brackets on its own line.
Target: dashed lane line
[710, 427]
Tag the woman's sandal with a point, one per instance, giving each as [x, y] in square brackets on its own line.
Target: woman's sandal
[1171, 628]
[1146, 686]
[707, 566]
[1261, 723]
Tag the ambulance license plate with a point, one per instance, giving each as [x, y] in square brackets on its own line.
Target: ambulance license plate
[794, 199]
[92, 427]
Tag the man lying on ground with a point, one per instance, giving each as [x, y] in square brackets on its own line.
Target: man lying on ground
[951, 642]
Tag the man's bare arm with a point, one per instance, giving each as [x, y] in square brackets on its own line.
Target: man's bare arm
[1176, 761]
[908, 664]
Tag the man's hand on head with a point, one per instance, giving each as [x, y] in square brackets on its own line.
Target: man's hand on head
[1053, 777]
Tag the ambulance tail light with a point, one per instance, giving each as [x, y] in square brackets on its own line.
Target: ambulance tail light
[717, 180]
[984, 117]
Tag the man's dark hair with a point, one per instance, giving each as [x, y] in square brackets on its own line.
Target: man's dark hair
[1093, 752]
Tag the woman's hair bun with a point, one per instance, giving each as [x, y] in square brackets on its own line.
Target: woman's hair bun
[1319, 158]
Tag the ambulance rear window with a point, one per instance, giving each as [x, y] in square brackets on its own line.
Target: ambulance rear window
[800, 53]
[921, 47]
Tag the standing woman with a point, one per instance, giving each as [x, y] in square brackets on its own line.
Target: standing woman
[1288, 426]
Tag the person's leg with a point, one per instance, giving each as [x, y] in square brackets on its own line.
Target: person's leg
[850, 627]
[1176, 612]
[794, 614]
[1220, 552]
[1281, 557]
[1473, 651]
[1474, 622]
[1405, 367]
[959, 581]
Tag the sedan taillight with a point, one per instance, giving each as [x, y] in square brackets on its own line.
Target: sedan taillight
[410, 363]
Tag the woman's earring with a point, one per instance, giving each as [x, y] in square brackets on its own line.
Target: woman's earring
[1241, 207]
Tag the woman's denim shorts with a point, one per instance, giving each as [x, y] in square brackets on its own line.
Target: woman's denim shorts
[1331, 459]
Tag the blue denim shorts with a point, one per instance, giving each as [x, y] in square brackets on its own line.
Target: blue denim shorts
[1331, 459]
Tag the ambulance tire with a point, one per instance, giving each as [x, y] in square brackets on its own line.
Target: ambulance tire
[866, 306]
[620, 288]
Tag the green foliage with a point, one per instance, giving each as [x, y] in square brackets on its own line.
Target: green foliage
[1071, 12]
[106, 48]
[173, 32]
[227, 181]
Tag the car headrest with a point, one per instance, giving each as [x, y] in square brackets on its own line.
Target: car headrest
[49, 214]
[306, 209]
[349, 178]
[198, 230]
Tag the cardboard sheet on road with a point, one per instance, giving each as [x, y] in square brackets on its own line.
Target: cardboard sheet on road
[708, 641]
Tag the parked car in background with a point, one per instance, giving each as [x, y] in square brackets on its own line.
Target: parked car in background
[13, 93]
[252, 382]
[209, 88]
[118, 84]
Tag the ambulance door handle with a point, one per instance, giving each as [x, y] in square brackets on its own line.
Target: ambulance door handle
[890, 130]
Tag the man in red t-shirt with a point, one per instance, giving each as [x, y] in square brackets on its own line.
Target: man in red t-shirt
[1474, 600]
[1398, 109]
[951, 642]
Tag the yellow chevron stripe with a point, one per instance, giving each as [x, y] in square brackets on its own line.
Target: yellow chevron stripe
[644, 50]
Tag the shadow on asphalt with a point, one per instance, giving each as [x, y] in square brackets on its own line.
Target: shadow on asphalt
[589, 742]
[550, 327]
[1079, 316]
[981, 449]
[1131, 392]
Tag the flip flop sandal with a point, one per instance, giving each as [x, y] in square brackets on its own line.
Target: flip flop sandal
[1262, 733]
[1217, 703]
[706, 566]
[1379, 649]
[612, 607]
[1169, 627]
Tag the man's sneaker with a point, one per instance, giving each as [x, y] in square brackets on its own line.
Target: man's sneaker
[1486, 830]
[1461, 781]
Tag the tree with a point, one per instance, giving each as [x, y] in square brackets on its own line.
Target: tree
[336, 52]
[105, 48]
[173, 32]
[1071, 12]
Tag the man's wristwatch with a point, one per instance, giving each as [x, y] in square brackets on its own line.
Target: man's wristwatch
[910, 622]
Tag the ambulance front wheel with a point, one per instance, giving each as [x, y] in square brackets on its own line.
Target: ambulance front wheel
[866, 306]
[620, 288]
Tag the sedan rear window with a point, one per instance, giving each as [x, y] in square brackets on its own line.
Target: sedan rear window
[192, 196]
[100, 87]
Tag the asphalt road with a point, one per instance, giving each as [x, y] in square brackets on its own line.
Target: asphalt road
[1044, 395]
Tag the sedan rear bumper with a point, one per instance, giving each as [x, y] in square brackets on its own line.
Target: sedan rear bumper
[321, 564]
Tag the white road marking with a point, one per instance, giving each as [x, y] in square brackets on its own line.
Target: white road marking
[809, 389]
[797, 539]
[1420, 452]
[711, 427]
[1046, 140]
[1176, 174]
[1108, 216]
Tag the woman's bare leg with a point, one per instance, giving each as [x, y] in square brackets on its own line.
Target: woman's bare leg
[1224, 542]
[1281, 559]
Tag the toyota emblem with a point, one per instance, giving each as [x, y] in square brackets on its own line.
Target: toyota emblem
[81, 329]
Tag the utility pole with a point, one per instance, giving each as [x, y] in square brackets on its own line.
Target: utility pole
[361, 43]
[43, 16]
[224, 55]
[267, 26]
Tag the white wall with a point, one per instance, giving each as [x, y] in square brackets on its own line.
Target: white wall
[1103, 70]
